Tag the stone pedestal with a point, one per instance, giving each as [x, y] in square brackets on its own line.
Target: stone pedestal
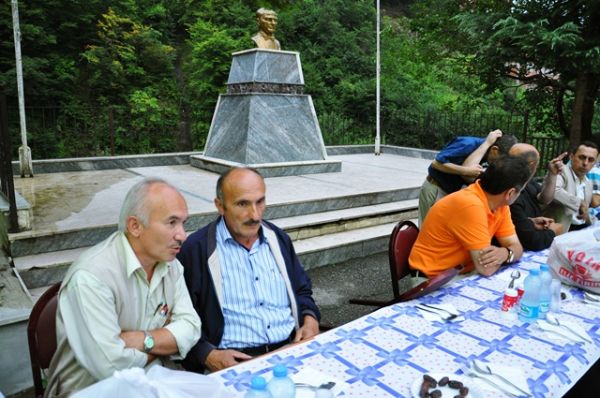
[265, 120]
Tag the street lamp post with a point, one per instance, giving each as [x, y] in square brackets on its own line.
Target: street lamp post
[377, 92]
[24, 150]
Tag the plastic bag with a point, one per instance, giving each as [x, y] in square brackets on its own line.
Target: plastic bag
[158, 382]
[574, 258]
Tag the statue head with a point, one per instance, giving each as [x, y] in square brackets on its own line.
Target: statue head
[266, 21]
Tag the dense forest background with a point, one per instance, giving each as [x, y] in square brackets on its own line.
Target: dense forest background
[109, 77]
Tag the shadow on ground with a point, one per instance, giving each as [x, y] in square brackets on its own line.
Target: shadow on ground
[334, 285]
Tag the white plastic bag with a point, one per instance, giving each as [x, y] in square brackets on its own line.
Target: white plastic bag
[574, 258]
[159, 382]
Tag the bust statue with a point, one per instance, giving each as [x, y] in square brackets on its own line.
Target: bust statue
[267, 22]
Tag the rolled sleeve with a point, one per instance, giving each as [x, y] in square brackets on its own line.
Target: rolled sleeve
[87, 310]
[185, 324]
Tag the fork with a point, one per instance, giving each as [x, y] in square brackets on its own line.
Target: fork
[486, 380]
[550, 318]
[591, 297]
[488, 371]
[435, 310]
[326, 386]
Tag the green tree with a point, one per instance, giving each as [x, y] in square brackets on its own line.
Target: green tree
[552, 47]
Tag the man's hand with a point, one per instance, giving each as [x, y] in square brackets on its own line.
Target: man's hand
[133, 339]
[310, 328]
[541, 223]
[584, 211]
[556, 165]
[472, 172]
[221, 359]
[492, 256]
[493, 136]
[556, 227]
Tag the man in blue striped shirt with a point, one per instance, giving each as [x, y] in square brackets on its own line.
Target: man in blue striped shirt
[245, 279]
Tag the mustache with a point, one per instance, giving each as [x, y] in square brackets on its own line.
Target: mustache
[177, 244]
[252, 222]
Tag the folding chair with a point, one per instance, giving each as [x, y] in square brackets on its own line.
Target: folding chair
[401, 242]
[402, 239]
[41, 335]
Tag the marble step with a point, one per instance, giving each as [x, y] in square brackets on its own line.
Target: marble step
[313, 252]
[320, 239]
[36, 242]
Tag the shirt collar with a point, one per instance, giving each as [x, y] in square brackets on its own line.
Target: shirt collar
[225, 236]
[132, 263]
[575, 177]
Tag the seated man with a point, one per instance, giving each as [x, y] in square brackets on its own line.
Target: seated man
[459, 228]
[573, 193]
[123, 303]
[535, 232]
[458, 164]
[245, 280]
[594, 177]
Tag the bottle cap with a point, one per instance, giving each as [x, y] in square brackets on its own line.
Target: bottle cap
[258, 383]
[534, 272]
[544, 267]
[511, 296]
[280, 371]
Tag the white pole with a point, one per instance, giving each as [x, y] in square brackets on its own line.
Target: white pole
[24, 150]
[377, 78]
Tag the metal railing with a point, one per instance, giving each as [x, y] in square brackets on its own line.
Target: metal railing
[6, 173]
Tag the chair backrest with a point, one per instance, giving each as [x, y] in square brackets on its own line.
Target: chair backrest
[402, 239]
[41, 335]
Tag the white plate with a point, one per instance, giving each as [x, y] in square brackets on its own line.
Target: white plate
[447, 392]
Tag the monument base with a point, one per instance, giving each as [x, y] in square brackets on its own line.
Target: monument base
[278, 169]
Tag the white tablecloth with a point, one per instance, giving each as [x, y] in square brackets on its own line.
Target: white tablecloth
[381, 354]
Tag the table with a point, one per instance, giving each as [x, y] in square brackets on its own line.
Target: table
[382, 353]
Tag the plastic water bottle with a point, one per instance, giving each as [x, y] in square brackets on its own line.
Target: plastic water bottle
[281, 386]
[556, 299]
[545, 290]
[530, 302]
[258, 388]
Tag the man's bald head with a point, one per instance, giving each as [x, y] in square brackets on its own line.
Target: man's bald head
[527, 152]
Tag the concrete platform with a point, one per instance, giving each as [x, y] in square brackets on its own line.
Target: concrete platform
[78, 209]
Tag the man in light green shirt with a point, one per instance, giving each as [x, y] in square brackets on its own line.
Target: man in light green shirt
[124, 302]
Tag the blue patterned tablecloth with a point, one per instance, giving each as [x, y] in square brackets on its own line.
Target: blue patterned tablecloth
[383, 353]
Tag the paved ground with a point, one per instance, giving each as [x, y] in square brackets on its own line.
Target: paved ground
[334, 285]
[74, 200]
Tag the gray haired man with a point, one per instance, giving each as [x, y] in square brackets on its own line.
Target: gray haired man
[123, 303]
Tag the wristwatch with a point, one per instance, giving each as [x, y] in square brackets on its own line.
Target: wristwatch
[511, 256]
[148, 342]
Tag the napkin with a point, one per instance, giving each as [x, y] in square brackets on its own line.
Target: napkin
[434, 317]
[499, 373]
[314, 377]
[568, 327]
[559, 330]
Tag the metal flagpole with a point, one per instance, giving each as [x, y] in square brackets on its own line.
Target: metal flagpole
[24, 150]
[377, 95]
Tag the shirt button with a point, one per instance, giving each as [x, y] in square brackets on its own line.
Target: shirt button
[268, 326]
[261, 303]
[256, 278]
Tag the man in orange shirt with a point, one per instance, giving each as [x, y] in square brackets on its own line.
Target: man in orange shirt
[459, 228]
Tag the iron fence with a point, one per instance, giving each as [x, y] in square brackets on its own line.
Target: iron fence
[6, 173]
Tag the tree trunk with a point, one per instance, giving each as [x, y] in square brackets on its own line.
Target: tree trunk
[586, 92]
[184, 135]
[588, 106]
[575, 130]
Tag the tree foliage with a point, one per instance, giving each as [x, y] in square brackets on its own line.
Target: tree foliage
[144, 76]
[552, 47]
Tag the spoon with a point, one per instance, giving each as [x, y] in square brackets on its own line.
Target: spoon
[514, 275]
[325, 386]
[550, 318]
